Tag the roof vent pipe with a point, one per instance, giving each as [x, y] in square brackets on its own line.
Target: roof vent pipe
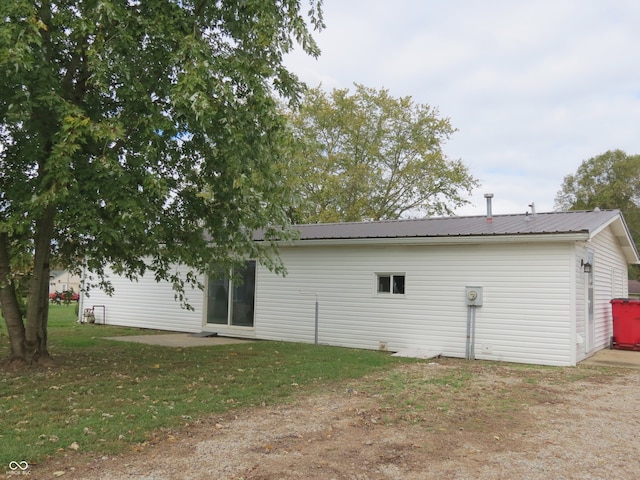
[489, 196]
[533, 208]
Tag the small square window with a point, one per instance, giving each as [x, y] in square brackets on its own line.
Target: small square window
[391, 283]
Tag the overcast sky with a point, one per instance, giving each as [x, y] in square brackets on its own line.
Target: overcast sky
[533, 87]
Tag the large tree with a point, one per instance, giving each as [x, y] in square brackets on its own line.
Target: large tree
[367, 155]
[139, 134]
[608, 180]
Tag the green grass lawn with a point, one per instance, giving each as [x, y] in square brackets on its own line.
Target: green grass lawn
[107, 396]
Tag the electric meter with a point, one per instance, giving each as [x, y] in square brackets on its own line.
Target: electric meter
[473, 296]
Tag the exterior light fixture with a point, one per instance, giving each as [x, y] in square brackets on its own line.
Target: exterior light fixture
[588, 268]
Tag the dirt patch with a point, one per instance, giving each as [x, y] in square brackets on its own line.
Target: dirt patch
[428, 420]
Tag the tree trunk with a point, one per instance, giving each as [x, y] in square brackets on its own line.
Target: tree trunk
[9, 304]
[37, 301]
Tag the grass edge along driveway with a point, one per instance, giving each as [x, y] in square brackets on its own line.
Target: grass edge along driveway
[107, 397]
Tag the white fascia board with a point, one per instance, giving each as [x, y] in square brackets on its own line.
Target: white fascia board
[623, 236]
[617, 220]
[453, 240]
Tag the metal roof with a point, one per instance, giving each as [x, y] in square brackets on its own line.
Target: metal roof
[533, 224]
[582, 224]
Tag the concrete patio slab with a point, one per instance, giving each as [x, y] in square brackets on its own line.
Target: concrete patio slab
[179, 340]
[602, 358]
[614, 358]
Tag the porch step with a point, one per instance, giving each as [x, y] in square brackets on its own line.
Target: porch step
[205, 334]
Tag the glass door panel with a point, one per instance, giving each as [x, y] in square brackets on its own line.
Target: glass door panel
[243, 297]
[231, 303]
[218, 301]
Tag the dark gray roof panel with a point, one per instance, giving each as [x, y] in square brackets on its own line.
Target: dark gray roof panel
[541, 223]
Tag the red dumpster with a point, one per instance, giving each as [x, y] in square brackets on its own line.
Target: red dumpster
[626, 323]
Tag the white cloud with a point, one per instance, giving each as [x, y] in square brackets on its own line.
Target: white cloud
[534, 88]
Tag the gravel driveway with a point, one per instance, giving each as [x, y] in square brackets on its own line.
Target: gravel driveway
[544, 427]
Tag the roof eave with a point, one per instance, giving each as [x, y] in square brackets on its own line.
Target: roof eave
[623, 236]
[441, 240]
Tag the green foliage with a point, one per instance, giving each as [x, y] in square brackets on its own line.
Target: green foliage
[147, 124]
[370, 156]
[112, 396]
[133, 130]
[607, 181]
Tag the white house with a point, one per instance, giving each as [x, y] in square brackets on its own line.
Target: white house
[521, 288]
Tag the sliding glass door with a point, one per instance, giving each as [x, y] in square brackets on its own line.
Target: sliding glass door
[229, 302]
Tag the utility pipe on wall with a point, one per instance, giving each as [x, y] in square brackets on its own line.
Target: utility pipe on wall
[473, 300]
[316, 331]
[316, 315]
[471, 333]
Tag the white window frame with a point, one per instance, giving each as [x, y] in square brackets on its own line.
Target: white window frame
[391, 275]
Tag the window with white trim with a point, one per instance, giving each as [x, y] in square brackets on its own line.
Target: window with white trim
[390, 283]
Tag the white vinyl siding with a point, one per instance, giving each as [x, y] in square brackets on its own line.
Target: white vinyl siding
[533, 308]
[609, 262]
[580, 306]
[146, 304]
[524, 318]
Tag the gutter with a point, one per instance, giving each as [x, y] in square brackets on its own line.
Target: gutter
[451, 240]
